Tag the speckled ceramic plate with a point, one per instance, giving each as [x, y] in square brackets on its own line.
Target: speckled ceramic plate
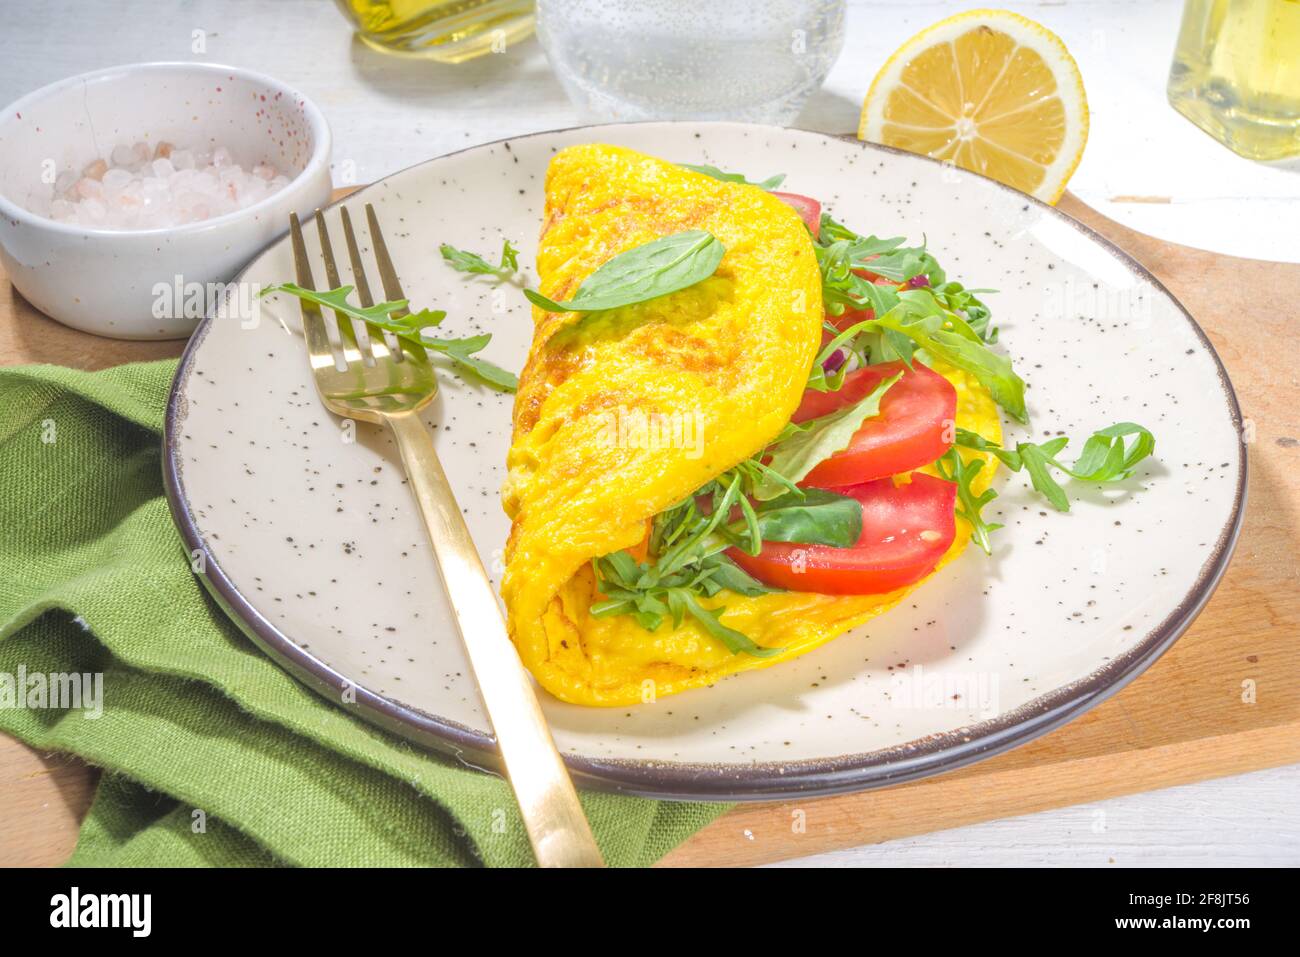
[313, 544]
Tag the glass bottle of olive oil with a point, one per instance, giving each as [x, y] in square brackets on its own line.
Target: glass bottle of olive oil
[1236, 74]
[450, 31]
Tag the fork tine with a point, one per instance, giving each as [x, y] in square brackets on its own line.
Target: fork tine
[319, 348]
[388, 276]
[380, 341]
[354, 254]
[352, 351]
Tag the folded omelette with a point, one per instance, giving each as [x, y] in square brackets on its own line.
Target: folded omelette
[727, 358]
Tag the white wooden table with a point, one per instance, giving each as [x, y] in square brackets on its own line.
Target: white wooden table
[1145, 166]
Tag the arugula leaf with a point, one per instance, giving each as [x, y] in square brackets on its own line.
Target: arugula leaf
[687, 541]
[953, 468]
[927, 312]
[955, 297]
[460, 353]
[735, 641]
[694, 546]
[394, 317]
[645, 272]
[509, 256]
[1037, 459]
[463, 261]
[771, 183]
[959, 347]
[1106, 457]
[911, 320]
[732, 577]
[629, 592]
[888, 258]
[838, 259]
[820, 438]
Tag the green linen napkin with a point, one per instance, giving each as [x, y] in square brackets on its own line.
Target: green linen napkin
[211, 754]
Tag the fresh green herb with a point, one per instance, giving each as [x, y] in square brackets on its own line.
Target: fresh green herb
[955, 297]
[409, 326]
[1106, 457]
[946, 336]
[735, 641]
[842, 287]
[688, 539]
[939, 318]
[917, 323]
[675, 597]
[810, 516]
[817, 440]
[463, 261]
[771, 183]
[920, 313]
[644, 272]
[952, 467]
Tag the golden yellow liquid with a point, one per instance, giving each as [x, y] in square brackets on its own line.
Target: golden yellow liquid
[1236, 74]
[450, 31]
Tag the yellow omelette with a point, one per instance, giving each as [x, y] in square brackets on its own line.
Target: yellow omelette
[722, 364]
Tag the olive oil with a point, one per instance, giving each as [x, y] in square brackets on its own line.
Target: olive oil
[1236, 74]
[450, 31]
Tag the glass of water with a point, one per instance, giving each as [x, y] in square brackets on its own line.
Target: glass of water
[691, 59]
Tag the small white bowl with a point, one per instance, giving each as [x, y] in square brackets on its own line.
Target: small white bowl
[112, 281]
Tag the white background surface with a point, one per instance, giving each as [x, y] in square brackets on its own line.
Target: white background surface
[388, 113]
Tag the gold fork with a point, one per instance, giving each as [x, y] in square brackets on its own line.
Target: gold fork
[392, 390]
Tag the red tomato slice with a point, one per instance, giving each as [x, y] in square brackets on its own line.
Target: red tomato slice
[906, 529]
[809, 210]
[913, 429]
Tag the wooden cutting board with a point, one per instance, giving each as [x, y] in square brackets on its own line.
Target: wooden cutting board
[1224, 700]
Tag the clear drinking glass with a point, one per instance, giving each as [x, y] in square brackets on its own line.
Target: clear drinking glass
[691, 59]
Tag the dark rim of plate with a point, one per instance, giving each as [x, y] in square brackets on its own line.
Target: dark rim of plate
[754, 781]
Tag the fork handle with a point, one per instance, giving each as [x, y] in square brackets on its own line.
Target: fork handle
[557, 827]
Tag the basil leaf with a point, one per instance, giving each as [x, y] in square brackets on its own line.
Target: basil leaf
[771, 183]
[645, 272]
[819, 439]
[814, 517]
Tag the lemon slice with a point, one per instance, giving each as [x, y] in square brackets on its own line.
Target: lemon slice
[989, 91]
